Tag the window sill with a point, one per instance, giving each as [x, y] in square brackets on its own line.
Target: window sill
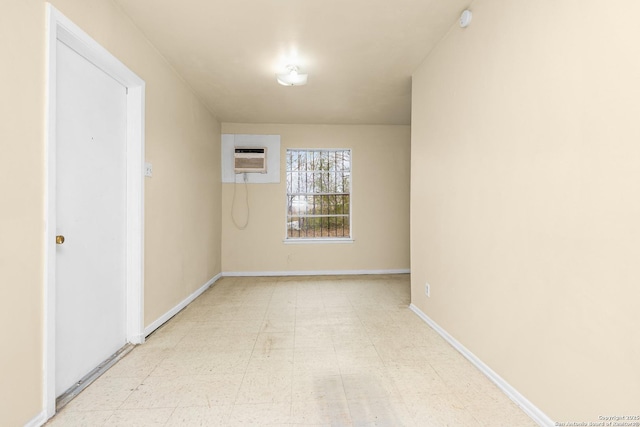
[314, 241]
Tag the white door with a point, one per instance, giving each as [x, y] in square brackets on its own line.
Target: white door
[91, 215]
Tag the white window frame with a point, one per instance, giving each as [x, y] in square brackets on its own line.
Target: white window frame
[320, 240]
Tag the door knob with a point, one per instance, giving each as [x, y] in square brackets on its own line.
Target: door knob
[59, 240]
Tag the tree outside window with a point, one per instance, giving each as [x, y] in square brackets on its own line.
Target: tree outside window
[318, 194]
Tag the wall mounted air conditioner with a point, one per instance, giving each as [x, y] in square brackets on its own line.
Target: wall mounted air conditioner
[250, 159]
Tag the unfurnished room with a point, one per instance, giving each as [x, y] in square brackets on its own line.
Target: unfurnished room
[320, 213]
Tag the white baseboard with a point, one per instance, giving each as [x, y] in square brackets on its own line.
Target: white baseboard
[37, 421]
[529, 408]
[138, 339]
[169, 314]
[312, 273]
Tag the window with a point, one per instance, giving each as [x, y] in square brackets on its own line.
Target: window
[318, 194]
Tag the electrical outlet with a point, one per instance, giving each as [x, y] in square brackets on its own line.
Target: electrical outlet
[427, 290]
[148, 169]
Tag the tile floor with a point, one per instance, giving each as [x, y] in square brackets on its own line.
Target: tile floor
[292, 351]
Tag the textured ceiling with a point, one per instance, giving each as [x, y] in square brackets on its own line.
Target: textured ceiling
[359, 54]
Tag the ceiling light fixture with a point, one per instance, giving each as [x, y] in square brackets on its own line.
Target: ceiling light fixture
[292, 77]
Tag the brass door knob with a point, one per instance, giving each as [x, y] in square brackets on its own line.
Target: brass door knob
[59, 240]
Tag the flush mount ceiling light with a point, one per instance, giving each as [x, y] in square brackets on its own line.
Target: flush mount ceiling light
[292, 77]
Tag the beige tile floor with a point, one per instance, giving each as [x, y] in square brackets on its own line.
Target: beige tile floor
[313, 351]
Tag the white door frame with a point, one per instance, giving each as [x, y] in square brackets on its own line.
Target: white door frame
[61, 28]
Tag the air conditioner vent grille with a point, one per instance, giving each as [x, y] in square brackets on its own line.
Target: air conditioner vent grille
[244, 163]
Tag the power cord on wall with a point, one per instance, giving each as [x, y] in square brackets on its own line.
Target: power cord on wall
[233, 202]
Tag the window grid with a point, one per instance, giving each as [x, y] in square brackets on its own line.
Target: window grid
[318, 194]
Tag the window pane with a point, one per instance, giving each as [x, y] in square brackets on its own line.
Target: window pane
[318, 193]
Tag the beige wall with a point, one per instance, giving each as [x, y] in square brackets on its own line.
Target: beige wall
[21, 209]
[380, 203]
[182, 221]
[524, 205]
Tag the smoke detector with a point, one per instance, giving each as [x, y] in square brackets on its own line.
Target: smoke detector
[465, 19]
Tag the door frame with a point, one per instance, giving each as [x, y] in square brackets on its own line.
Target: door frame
[61, 28]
